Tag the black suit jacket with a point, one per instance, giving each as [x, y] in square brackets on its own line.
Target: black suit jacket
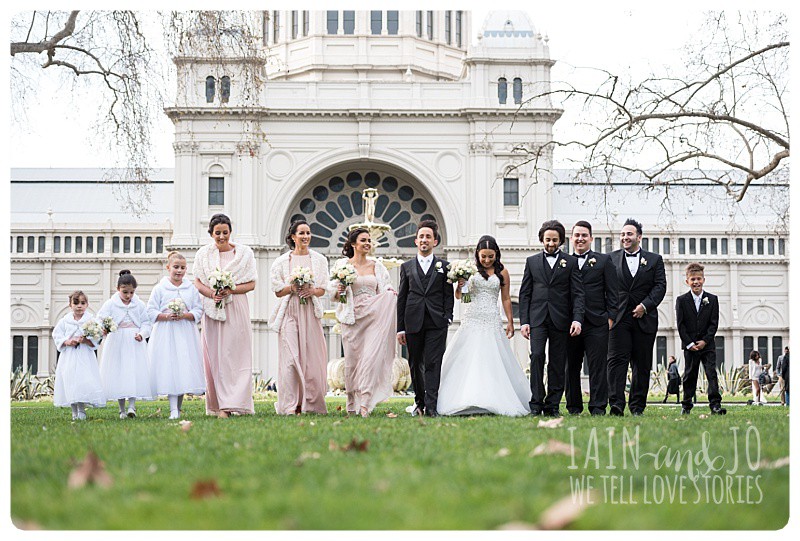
[648, 287]
[413, 299]
[600, 288]
[558, 293]
[694, 326]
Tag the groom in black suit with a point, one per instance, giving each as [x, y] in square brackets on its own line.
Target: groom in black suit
[600, 288]
[642, 286]
[550, 309]
[424, 310]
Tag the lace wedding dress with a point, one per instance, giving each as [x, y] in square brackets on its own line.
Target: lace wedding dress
[480, 373]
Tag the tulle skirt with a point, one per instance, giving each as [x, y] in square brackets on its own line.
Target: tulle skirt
[124, 367]
[480, 374]
[176, 364]
[78, 378]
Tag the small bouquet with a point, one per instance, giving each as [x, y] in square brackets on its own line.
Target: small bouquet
[302, 276]
[108, 324]
[463, 268]
[219, 280]
[93, 330]
[345, 274]
[177, 306]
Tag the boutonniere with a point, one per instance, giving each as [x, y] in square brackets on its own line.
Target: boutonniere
[591, 262]
[439, 267]
[705, 300]
[643, 262]
[563, 263]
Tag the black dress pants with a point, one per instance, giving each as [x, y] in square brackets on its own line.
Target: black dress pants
[425, 352]
[629, 346]
[593, 342]
[556, 341]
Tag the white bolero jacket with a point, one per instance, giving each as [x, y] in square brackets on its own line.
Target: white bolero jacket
[135, 310]
[345, 313]
[280, 272]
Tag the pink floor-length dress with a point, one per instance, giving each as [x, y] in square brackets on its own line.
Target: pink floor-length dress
[369, 345]
[228, 355]
[302, 356]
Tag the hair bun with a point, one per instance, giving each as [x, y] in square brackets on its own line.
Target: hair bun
[124, 272]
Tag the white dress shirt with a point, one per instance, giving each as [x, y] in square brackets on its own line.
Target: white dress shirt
[551, 260]
[425, 262]
[633, 262]
[697, 300]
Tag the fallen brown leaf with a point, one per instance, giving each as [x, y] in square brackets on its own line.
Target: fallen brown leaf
[502, 452]
[25, 524]
[353, 445]
[775, 464]
[337, 423]
[338, 408]
[185, 425]
[563, 513]
[391, 415]
[306, 456]
[702, 416]
[517, 525]
[91, 470]
[552, 423]
[205, 489]
[553, 447]
[156, 413]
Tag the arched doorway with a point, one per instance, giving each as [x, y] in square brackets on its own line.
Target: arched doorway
[332, 201]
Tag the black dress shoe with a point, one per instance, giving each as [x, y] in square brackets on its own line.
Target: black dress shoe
[598, 413]
[576, 412]
[431, 413]
[718, 411]
[552, 413]
[616, 412]
[637, 413]
[685, 411]
[418, 412]
[536, 413]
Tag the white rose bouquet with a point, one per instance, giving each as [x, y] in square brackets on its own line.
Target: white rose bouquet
[345, 274]
[219, 280]
[177, 306]
[92, 329]
[463, 268]
[108, 324]
[302, 276]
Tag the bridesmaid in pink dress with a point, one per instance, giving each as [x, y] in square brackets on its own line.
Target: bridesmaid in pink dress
[302, 352]
[368, 326]
[226, 338]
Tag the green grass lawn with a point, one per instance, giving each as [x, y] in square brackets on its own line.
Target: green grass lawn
[444, 473]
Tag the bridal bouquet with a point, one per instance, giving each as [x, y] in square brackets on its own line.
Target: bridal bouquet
[219, 280]
[108, 325]
[345, 274]
[92, 329]
[463, 268]
[176, 306]
[302, 276]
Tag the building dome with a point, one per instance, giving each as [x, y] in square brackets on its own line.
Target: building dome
[507, 26]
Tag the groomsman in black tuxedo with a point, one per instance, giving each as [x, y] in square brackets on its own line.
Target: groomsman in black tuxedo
[642, 286]
[550, 310]
[424, 310]
[600, 288]
[698, 318]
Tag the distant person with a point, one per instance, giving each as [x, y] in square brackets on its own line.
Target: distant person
[673, 380]
[755, 369]
[698, 319]
[785, 377]
[778, 369]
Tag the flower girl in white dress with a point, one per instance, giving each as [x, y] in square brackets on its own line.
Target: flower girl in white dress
[77, 375]
[480, 373]
[124, 369]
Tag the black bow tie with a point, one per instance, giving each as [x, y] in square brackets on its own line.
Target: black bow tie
[551, 255]
[631, 255]
[580, 256]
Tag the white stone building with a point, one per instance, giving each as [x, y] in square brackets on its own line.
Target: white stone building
[399, 101]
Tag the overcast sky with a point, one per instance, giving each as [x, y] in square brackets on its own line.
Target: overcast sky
[621, 39]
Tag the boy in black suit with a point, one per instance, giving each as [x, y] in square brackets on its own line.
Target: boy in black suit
[551, 307]
[424, 310]
[698, 319]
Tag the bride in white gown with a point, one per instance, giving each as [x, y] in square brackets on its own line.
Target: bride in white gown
[480, 373]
